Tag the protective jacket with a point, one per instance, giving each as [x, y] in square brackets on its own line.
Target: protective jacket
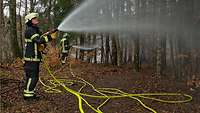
[65, 45]
[33, 38]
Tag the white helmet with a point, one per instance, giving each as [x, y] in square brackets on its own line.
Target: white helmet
[30, 16]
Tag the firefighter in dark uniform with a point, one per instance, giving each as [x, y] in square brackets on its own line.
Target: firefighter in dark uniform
[65, 46]
[32, 56]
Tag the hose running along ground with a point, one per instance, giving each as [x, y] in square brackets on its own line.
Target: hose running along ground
[103, 93]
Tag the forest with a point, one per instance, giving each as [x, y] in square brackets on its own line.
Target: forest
[126, 56]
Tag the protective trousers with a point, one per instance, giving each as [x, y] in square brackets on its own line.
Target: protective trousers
[32, 76]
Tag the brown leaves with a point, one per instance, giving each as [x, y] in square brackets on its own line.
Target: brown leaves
[52, 56]
[193, 83]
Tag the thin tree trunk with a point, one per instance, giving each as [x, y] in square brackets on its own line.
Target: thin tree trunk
[158, 56]
[130, 51]
[95, 52]
[102, 49]
[76, 49]
[107, 49]
[82, 44]
[88, 41]
[1, 14]
[125, 50]
[197, 35]
[172, 55]
[139, 5]
[158, 16]
[114, 50]
[179, 38]
[119, 52]
[137, 53]
[31, 6]
[26, 7]
[20, 28]
[1, 30]
[49, 13]
[163, 52]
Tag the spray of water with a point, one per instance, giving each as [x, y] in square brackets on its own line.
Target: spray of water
[107, 16]
[126, 16]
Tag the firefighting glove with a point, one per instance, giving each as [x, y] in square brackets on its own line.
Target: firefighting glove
[54, 35]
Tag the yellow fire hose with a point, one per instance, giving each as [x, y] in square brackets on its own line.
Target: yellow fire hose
[103, 92]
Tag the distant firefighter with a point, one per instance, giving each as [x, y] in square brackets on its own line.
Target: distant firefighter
[65, 46]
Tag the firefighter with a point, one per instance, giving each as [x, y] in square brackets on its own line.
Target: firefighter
[32, 56]
[65, 46]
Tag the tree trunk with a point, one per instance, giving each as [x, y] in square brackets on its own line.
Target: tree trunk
[31, 6]
[181, 45]
[197, 35]
[1, 14]
[158, 56]
[161, 48]
[125, 50]
[49, 14]
[14, 43]
[119, 52]
[76, 49]
[82, 44]
[88, 43]
[107, 49]
[114, 51]
[163, 52]
[1, 30]
[130, 51]
[20, 29]
[137, 53]
[95, 51]
[102, 49]
[139, 5]
[26, 7]
[173, 66]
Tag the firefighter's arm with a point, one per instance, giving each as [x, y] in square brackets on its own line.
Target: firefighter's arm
[35, 37]
[52, 33]
[47, 37]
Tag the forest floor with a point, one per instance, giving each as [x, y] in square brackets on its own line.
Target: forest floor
[123, 78]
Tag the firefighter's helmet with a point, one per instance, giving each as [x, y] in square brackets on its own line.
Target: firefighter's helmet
[31, 16]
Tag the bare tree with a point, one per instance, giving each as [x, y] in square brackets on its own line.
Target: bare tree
[95, 51]
[49, 9]
[102, 49]
[137, 53]
[137, 38]
[31, 6]
[1, 14]
[107, 55]
[14, 43]
[82, 41]
[125, 52]
[20, 26]
[119, 52]
[1, 28]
